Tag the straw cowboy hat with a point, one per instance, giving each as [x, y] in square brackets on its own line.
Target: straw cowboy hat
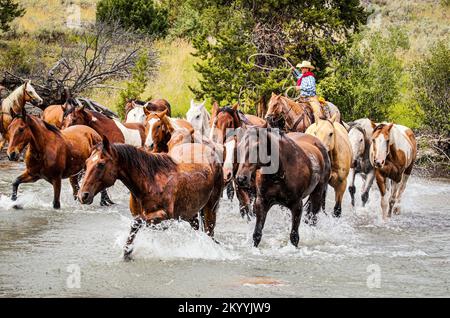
[305, 64]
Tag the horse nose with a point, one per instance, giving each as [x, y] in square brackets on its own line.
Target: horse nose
[379, 163]
[227, 174]
[242, 180]
[84, 197]
[13, 156]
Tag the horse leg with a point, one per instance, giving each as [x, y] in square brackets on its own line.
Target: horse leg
[401, 189]
[296, 211]
[339, 193]
[316, 201]
[209, 216]
[370, 177]
[135, 206]
[352, 188]
[137, 224]
[75, 186]
[381, 182]
[104, 198]
[393, 198]
[244, 202]
[23, 178]
[260, 208]
[230, 191]
[56, 193]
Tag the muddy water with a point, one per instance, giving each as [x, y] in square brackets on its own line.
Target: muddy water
[77, 251]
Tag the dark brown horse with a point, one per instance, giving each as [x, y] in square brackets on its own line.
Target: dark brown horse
[113, 129]
[52, 154]
[160, 187]
[286, 114]
[298, 166]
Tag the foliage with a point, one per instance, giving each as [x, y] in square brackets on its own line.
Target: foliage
[136, 85]
[9, 10]
[432, 81]
[143, 15]
[366, 81]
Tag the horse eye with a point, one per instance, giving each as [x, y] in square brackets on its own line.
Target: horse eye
[387, 141]
[21, 130]
[198, 117]
[331, 134]
[101, 165]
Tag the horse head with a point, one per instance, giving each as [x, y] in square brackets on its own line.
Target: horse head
[30, 94]
[198, 116]
[223, 119]
[75, 115]
[158, 130]
[381, 144]
[19, 135]
[324, 130]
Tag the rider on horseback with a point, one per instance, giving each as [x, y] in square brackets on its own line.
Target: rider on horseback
[306, 84]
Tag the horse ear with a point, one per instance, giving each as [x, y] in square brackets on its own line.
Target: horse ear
[273, 94]
[373, 124]
[192, 103]
[389, 127]
[235, 106]
[106, 144]
[163, 113]
[215, 107]
[333, 118]
[203, 104]
[129, 105]
[146, 111]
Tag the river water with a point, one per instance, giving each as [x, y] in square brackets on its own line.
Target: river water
[77, 250]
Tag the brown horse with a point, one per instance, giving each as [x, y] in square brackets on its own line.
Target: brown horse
[113, 129]
[286, 114]
[299, 166]
[160, 187]
[159, 128]
[15, 102]
[135, 109]
[52, 154]
[335, 138]
[392, 154]
[54, 115]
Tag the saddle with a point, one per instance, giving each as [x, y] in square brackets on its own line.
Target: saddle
[324, 106]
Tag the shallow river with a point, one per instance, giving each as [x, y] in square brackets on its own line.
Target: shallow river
[77, 251]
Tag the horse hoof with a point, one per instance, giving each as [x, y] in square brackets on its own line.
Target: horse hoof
[365, 198]
[127, 257]
[57, 206]
[17, 207]
[397, 210]
[104, 203]
[337, 212]
[14, 198]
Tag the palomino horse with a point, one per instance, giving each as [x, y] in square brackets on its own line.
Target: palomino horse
[335, 138]
[15, 102]
[159, 128]
[392, 154]
[113, 129]
[160, 187]
[135, 109]
[360, 136]
[286, 114]
[303, 169]
[199, 117]
[52, 154]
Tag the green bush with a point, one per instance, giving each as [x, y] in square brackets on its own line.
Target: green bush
[142, 15]
[431, 78]
[9, 10]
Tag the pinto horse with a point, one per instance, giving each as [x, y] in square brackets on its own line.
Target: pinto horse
[135, 109]
[335, 138]
[303, 170]
[286, 114]
[52, 154]
[159, 128]
[392, 154]
[360, 136]
[113, 129]
[161, 186]
[15, 103]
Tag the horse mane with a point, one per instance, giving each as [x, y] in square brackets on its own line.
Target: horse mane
[52, 128]
[8, 102]
[147, 164]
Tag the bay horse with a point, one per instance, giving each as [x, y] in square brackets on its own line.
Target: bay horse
[15, 103]
[135, 109]
[360, 136]
[162, 187]
[159, 128]
[392, 154]
[224, 121]
[113, 129]
[52, 154]
[303, 170]
[286, 114]
[199, 117]
[335, 138]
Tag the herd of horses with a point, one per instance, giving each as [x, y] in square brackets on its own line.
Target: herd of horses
[178, 168]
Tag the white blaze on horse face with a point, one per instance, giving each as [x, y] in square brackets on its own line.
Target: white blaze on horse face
[131, 136]
[229, 158]
[95, 158]
[136, 115]
[357, 141]
[381, 150]
[149, 139]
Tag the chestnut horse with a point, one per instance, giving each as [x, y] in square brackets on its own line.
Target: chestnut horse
[15, 102]
[303, 170]
[360, 136]
[52, 154]
[335, 138]
[113, 129]
[135, 109]
[392, 153]
[286, 114]
[160, 187]
[159, 128]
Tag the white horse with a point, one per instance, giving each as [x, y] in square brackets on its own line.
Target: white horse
[136, 115]
[15, 103]
[360, 135]
[392, 154]
[199, 117]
